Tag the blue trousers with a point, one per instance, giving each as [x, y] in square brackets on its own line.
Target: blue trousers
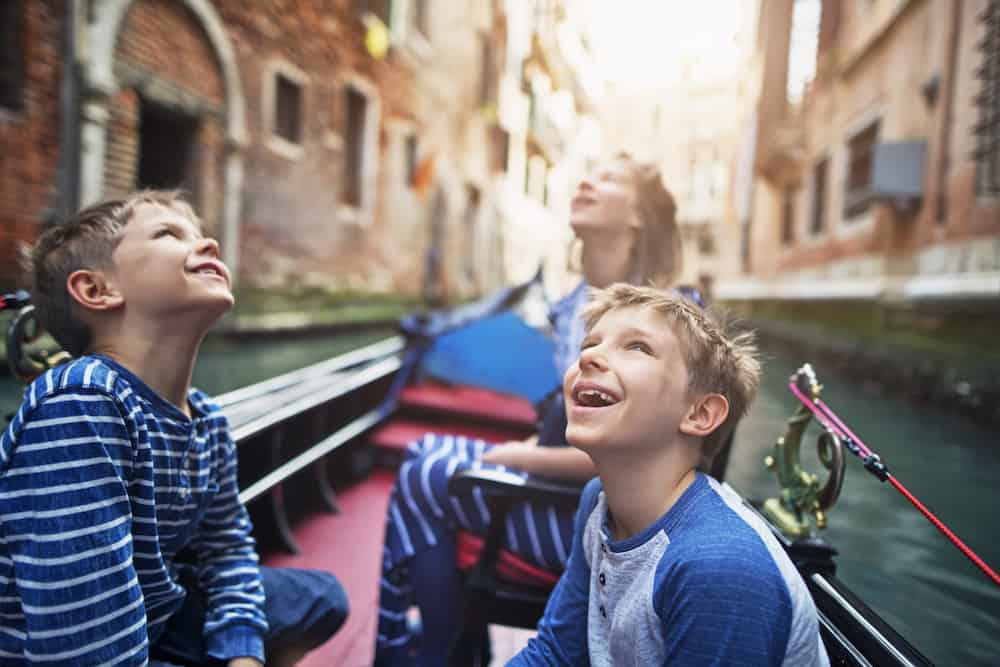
[304, 608]
[419, 563]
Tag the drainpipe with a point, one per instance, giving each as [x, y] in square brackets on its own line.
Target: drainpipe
[68, 172]
[941, 206]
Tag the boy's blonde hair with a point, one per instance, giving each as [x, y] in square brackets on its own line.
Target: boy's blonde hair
[715, 362]
[85, 241]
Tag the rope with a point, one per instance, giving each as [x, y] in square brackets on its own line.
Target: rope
[873, 463]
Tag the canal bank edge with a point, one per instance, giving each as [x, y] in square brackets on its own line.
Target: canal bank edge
[944, 358]
[262, 314]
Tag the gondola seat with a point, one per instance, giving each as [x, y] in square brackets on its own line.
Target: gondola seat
[499, 586]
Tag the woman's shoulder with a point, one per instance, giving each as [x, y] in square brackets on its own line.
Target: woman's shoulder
[571, 299]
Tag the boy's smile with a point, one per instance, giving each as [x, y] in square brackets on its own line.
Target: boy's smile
[630, 383]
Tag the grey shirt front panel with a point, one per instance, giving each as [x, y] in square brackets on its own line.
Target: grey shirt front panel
[622, 626]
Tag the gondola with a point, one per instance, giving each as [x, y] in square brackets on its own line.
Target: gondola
[318, 448]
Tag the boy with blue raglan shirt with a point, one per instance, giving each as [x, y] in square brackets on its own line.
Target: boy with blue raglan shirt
[114, 466]
[667, 565]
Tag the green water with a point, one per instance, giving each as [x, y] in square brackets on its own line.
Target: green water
[890, 555]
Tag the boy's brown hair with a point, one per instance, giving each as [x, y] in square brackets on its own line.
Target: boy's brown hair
[716, 363]
[85, 241]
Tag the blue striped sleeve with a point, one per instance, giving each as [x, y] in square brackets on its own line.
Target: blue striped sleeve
[227, 562]
[67, 527]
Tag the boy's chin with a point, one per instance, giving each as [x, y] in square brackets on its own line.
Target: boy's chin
[584, 439]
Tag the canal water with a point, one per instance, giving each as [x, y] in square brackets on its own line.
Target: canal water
[889, 554]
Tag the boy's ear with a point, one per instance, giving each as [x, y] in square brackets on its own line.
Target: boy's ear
[92, 290]
[705, 415]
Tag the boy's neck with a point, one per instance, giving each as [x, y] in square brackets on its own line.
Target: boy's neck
[164, 362]
[641, 489]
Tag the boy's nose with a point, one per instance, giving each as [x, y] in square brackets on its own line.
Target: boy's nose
[208, 246]
[591, 357]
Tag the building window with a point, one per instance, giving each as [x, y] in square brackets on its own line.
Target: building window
[168, 143]
[355, 112]
[706, 243]
[12, 54]
[410, 147]
[473, 197]
[817, 220]
[788, 216]
[500, 148]
[536, 179]
[860, 154]
[988, 129]
[287, 109]
[283, 105]
[419, 14]
[380, 8]
[487, 74]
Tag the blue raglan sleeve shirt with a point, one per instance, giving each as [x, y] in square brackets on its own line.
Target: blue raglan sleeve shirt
[562, 632]
[719, 609]
[706, 584]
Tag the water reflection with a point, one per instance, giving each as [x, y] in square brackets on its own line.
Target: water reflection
[889, 554]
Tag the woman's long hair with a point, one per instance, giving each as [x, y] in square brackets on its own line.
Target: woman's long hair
[656, 255]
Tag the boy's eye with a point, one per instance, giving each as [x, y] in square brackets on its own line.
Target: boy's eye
[166, 231]
[639, 345]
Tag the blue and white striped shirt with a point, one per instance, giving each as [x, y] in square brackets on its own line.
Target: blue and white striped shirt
[102, 483]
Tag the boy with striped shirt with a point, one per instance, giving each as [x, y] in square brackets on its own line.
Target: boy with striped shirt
[122, 537]
[667, 566]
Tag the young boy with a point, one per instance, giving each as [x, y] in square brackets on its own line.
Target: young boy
[113, 465]
[667, 566]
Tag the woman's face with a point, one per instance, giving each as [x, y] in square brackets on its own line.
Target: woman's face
[605, 200]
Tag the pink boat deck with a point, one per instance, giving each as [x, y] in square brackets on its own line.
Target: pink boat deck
[349, 544]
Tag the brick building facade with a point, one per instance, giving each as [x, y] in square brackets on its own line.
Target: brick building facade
[31, 35]
[870, 187]
[319, 139]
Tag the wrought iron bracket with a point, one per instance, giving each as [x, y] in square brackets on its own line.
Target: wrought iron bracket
[802, 500]
[26, 364]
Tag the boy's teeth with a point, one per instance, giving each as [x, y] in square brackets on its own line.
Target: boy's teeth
[596, 396]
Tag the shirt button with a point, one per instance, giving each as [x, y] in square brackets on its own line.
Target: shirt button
[602, 579]
[603, 613]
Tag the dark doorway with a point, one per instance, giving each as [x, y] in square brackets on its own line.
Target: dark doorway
[166, 149]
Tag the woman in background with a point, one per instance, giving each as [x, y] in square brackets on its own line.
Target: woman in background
[625, 221]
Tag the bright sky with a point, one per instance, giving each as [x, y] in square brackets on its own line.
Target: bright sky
[648, 43]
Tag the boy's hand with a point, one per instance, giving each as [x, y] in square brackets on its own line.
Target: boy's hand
[245, 662]
[513, 453]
